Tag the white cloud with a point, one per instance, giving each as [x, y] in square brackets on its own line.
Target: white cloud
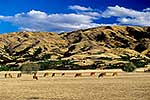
[93, 14]
[40, 21]
[85, 18]
[85, 11]
[27, 29]
[128, 16]
[77, 7]
[147, 9]
[120, 12]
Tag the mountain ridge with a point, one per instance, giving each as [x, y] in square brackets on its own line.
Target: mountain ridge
[97, 46]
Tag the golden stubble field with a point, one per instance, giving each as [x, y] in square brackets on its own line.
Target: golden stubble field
[125, 86]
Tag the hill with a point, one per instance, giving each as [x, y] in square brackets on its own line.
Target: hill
[99, 47]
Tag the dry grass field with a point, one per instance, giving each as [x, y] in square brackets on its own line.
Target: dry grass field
[124, 86]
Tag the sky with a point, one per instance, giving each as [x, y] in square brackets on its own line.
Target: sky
[68, 15]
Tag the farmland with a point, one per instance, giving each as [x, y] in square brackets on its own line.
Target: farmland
[124, 86]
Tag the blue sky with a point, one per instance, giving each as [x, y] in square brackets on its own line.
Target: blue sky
[68, 15]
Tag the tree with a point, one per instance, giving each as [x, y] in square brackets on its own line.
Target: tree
[30, 67]
[129, 67]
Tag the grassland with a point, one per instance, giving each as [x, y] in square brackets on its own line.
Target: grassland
[125, 86]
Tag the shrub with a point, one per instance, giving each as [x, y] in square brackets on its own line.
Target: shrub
[140, 64]
[7, 68]
[46, 56]
[4, 68]
[14, 69]
[29, 68]
[129, 67]
[58, 64]
[98, 53]
[47, 65]
[125, 57]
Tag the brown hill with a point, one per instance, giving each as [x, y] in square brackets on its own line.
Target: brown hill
[23, 46]
[102, 46]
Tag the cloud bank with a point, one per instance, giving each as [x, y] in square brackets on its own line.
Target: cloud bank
[128, 16]
[83, 17]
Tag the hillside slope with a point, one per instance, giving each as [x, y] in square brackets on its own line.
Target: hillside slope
[24, 46]
[101, 47]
